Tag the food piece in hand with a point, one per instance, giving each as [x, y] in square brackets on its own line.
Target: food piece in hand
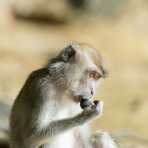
[84, 103]
[96, 106]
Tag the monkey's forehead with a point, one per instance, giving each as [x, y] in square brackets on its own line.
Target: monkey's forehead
[94, 55]
[91, 52]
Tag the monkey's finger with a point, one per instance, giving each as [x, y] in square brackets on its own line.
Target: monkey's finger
[96, 102]
[98, 106]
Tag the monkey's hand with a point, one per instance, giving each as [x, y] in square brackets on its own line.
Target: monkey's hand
[93, 110]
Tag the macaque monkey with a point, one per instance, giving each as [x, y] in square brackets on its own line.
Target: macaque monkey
[55, 105]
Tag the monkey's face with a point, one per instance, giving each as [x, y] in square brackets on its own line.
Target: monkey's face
[83, 71]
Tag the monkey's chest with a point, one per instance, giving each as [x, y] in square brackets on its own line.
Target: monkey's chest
[65, 140]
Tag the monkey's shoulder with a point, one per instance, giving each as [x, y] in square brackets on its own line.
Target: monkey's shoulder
[40, 73]
[35, 82]
[38, 76]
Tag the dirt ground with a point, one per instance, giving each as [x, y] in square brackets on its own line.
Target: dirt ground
[25, 46]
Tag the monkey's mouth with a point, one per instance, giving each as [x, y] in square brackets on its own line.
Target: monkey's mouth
[84, 102]
[78, 98]
[81, 98]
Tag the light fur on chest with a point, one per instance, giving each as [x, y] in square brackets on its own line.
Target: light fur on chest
[66, 139]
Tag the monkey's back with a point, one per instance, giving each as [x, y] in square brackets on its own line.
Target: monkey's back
[26, 107]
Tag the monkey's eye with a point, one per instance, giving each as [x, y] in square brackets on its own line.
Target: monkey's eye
[94, 75]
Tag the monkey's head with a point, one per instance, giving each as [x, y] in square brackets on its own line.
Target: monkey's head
[78, 69]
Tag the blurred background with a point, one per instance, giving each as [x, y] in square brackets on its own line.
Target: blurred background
[32, 30]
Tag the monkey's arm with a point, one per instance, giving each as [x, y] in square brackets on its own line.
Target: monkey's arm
[56, 127]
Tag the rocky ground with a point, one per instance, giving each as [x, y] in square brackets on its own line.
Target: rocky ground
[25, 46]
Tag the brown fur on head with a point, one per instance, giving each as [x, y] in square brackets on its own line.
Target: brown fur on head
[78, 69]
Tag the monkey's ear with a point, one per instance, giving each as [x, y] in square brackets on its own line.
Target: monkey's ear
[68, 53]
